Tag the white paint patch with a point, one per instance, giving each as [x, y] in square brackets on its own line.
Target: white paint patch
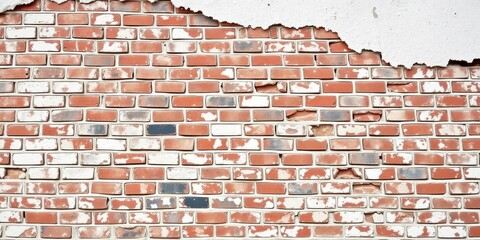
[20, 32]
[126, 33]
[33, 18]
[362, 72]
[311, 88]
[355, 231]
[456, 130]
[16, 231]
[208, 116]
[217, 144]
[437, 217]
[226, 130]
[267, 233]
[351, 217]
[105, 19]
[47, 32]
[228, 73]
[193, 158]
[433, 87]
[42, 46]
[417, 231]
[452, 232]
[384, 26]
[292, 203]
[472, 173]
[163, 158]
[182, 173]
[255, 101]
[251, 144]
[112, 47]
[316, 203]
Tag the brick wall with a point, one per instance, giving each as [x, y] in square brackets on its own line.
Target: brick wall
[135, 120]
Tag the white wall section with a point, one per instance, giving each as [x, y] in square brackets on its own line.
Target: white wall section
[405, 32]
[430, 32]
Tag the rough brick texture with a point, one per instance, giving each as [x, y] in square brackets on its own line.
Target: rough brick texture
[139, 120]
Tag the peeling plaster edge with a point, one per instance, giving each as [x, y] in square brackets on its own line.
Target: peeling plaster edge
[6, 6]
[265, 27]
[355, 47]
[12, 4]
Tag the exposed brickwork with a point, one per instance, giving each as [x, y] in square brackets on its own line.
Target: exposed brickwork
[135, 120]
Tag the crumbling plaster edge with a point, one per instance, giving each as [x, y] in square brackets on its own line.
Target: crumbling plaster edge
[350, 37]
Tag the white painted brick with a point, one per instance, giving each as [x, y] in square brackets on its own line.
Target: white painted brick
[33, 87]
[306, 87]
[230, 159]
[452, 232]
[467, 158]
[78, 173]
[180, 33]
[16, 231]
[27, 159]
[111, 144]
[43, 18]
[255, 101]
[145, 144]
[227, 130]
[67, 87]
[163, 158]
[182, 173]
[32, 116]
[10, 216]
[321, 202]
[41, 144]
[420, 231]
[126, 33]
[356, 231]
[12, 144]
[196, 159]
[48, 101]
[472, 173]
[95, 159]
[44, 46]
[114, 47]
[44, 173]
[373, 173]
[21, 32]
[105, 19]
[48, 32]
[62, 158]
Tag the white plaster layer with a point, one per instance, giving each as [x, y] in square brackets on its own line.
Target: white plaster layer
[431, 31]
[443, 31]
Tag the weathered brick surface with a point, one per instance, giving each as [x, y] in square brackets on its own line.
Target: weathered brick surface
[139, 120]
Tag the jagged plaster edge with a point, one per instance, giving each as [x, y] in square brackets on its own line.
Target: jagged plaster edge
[251, 19]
